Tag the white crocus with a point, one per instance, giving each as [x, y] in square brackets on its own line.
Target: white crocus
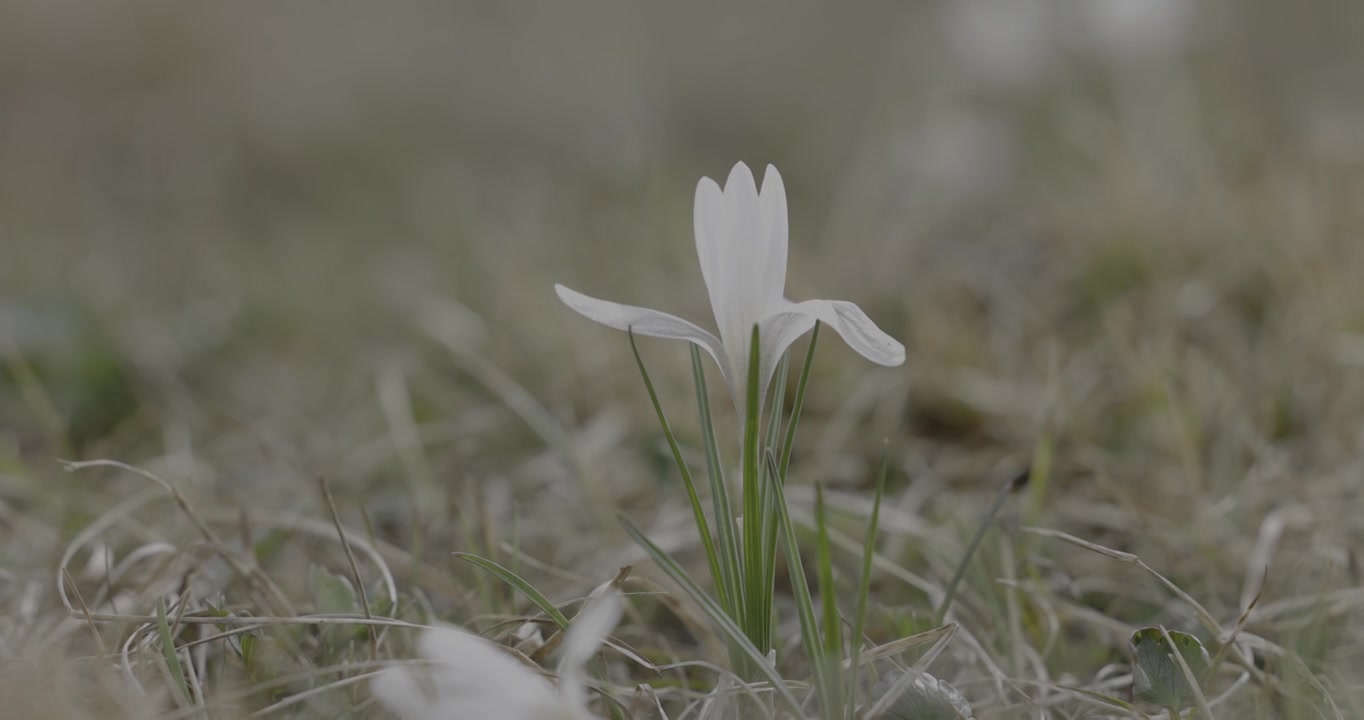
[741, 241]
[472, 678]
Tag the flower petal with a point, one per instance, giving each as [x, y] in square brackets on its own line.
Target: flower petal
[741, 242]
[480, 665]
[708, 215]
[737, 296]
[400, 692]
[643, 321]
[778, 331]
[590, 629]
[772, 202]
[585, 635]
[470, 673]
[855, 328]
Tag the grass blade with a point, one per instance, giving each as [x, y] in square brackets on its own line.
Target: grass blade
[172, 657]
[717, 615]
[985, 522]
[864, 587]
[772, 437]
[766, 498]
[798, 403]
[778, 401]
[824, 569]
[757, 581]
[769, 514]
[520, 585]
[698, 512]
[827, 686]
[828, 596]
[719, 493]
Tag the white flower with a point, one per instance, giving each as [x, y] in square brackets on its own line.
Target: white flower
[741, 241]
[474, 679]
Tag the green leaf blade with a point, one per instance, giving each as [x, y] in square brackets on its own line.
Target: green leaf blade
[698, 512]
[727, 626]
[520, 585]
[732, 596]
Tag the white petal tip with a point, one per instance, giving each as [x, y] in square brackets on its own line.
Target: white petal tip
[771, 175]
[894, 355]
[880, 348]
[740, 177]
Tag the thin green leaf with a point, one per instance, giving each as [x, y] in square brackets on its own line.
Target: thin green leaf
[172, 657]
[1039, 478]
[768, 512]
[778, 401]
[864, 585]
[773, 434]
[719, 493]
[828, 686]
[733, 633]
[985, 522]
[698, 512]
[798, 403]
[757, 586]
[520, 585]
[833, 625]
[769, 516]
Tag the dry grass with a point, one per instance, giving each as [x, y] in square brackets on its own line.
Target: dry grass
[245, 249]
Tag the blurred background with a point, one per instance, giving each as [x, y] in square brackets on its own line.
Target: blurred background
[207, 210]
[251, 243]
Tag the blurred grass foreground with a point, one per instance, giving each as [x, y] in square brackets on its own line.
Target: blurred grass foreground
[249, 247]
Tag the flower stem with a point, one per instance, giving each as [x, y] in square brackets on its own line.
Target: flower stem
[758, 589]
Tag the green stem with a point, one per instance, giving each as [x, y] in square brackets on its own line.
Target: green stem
[757, 593]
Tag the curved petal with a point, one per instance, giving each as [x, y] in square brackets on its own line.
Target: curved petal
[776, 333]
[585, 635]
[856, 329]
[400, 692]
[772, 203]
[779, 330]
[476, 666]
[590, 628]
[708, 220]
[470, 675]
[643, 321]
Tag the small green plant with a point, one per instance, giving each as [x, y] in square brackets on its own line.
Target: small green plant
[1161, 677]
[741, 238]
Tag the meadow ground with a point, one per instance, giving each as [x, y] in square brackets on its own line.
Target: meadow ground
[254, 255]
